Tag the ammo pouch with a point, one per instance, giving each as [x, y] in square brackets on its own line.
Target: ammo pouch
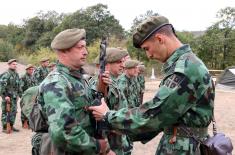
[37, 122]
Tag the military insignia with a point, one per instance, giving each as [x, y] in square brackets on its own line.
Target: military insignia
[173, 81]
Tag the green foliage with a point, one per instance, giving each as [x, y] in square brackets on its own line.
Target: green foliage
[6, 51]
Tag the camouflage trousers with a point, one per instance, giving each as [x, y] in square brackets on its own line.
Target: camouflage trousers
[13, 112]
[22, 116]
[182, 146]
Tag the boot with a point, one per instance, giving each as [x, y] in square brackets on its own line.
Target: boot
[14, 129]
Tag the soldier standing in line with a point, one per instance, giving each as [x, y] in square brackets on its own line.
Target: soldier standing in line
[115, 98]
[64, 96]
[26, 81]
[184, 100]
[10, 91]
[127, 82]
[41, 72]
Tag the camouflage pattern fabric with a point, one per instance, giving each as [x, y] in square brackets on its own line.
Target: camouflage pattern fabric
[10, 86]
[185, 96]
[141, 81]
[115, 100]
[40, 74]
[28, 99]
[130, 89]
[26, 81]
[70, 125]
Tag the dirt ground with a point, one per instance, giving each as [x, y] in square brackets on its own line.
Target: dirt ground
[20, 143]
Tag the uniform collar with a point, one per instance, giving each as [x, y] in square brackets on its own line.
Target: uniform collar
[175, 56]
[75, 73]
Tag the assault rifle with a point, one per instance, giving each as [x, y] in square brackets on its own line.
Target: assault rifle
[8, 110]
[101, 88]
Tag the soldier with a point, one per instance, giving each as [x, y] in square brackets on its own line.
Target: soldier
[115, 98]
[26, 81]
[41, 72]
[64, 96]
[128, 84]
[185, 98]
[10, 90]
[141, 81]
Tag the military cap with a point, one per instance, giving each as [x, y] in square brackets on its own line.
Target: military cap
[29, 66]
[131, 64]
[147, 28]
[44, 59]
[11, 60]
[67, 38]
[114, 54]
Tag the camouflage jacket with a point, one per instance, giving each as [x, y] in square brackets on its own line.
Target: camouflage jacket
[70, 125]
[115, 100]
[40, 74]
[185, 96]
[27, 81]
[130, 89]
[10, 84]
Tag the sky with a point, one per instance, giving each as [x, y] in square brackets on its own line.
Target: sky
[188, 15]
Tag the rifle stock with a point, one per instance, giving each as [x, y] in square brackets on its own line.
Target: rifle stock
[8, 110]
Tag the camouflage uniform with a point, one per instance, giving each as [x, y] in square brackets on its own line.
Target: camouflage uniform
[10, 86]
[40, 74]
[70, 125]
[26, 81]
[129, 88]
[115, 100]
[185, 96]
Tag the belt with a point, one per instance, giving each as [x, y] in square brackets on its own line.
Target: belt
[198, 132]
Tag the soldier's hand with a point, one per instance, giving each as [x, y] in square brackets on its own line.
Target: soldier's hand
[106, 78]
[8, 99]
[99, 111]
[104, 146]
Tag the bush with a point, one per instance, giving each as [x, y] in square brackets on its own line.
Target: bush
[6, 51]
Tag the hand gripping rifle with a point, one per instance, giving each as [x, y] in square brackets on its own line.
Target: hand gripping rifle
[8, 110]
[101, 88]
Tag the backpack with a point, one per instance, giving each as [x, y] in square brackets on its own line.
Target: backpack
[33, 109]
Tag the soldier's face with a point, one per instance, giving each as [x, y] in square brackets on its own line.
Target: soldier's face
[116, 68]
[30, 70]
[45, 63]
[132, 72]
[77, 54]
[13, 65]
[155, 48]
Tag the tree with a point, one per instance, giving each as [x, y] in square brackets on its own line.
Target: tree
[6, 51]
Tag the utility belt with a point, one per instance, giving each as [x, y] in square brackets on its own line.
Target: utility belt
[178, 131]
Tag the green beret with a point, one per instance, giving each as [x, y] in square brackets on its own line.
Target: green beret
[29, 66]
[44, 59]
[131, 64]
[11, 60]
[67, 38]
[115, 54]
[147, 28]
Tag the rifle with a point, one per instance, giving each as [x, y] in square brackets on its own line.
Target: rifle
[8, 110]
[101, 88]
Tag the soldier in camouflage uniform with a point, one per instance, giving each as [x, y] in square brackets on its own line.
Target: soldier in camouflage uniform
[26, 81]
[41, 72]
[115, 98]
[128, 84]
[64, 96]
[9, 91]
[141, 81]
[185, 98]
